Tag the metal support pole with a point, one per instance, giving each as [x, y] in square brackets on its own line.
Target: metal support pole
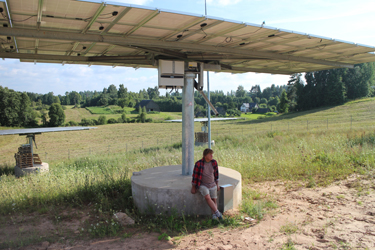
[188, 124]
[32, 150]
[209, 110]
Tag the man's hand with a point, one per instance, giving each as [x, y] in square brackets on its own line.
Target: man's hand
[218, 187]
[193, 189]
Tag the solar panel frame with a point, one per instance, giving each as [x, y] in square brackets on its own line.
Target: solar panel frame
[30, 131]
[282, 51]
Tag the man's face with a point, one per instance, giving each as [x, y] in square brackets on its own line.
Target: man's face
[208, 157]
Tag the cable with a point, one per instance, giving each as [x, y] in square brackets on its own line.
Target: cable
[204, 33]
[6, 18]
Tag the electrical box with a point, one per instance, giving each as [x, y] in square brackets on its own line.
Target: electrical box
[171, 74]
[225, 198]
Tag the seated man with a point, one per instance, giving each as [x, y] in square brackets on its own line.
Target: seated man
[205, 179]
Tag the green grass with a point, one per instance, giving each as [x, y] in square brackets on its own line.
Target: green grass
[100, 110]
[97, 175]
[257, 116]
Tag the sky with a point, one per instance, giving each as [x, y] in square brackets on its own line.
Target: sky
[348, 20]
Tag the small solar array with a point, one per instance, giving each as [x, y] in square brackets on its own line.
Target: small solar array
[97, 33]
[31, 131]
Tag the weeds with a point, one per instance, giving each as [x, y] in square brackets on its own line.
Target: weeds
[289, 245]
[289, 228]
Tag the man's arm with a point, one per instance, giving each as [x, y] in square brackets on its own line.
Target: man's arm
[193, 189]
[196, 178]
[216, 174]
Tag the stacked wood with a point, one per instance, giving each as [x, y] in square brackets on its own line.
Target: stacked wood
[201, 137]
[24, 159]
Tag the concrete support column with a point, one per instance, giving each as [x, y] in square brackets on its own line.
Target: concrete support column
[188, 124]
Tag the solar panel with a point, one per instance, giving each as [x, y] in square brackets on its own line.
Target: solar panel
[113, 34]
[41, 130]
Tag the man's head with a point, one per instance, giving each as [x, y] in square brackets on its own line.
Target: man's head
[207, 154]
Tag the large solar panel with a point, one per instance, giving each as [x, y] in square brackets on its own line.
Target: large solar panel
[29, 131]
[96, 33]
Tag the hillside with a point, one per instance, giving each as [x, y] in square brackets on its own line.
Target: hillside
[294, 171]
[359, 114]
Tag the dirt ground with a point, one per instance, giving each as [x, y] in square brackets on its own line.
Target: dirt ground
[340, 216]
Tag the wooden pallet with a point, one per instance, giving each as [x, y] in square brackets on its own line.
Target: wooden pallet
[25, 160]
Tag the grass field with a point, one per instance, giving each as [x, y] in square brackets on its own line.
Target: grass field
[77, 114]
[298, 146]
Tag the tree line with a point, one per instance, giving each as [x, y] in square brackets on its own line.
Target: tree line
[317, 89]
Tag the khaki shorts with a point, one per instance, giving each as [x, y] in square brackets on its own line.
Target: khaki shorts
[205, 191]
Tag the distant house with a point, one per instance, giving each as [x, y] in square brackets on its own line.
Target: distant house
[248, 107]
[149, 104]
[262, 110]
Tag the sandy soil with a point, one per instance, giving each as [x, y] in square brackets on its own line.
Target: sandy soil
[340, 216]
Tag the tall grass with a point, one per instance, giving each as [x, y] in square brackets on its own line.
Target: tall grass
[105, 180]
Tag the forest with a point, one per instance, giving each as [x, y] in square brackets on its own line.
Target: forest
[317, 89]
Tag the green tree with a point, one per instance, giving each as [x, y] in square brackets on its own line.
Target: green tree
[263, 100]
[56, 99]
[153, 93]
[122, 92]
[122, 102]
[240, 92]
[123, 117]
[56, 115]
[283, 106]
[102, 120]
[75, 98]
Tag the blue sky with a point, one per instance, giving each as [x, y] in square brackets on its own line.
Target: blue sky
[349, 20]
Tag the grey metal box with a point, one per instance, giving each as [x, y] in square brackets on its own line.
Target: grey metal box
[225, 198]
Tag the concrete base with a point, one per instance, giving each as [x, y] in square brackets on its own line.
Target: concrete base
[164, 189]
[44, 167]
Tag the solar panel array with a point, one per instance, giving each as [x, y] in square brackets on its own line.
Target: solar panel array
[96, 33]
[30, 131]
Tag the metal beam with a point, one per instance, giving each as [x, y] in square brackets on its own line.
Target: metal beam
[36, 46]
[143, 22]
[93, 19]
[118, 18]
[160, 44]
[88, 26]
[257, 70]
[39, 16]
[8, 12]
[29, 56]
[110, 47]
[166, 52]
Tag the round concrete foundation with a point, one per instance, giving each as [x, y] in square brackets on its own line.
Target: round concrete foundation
[44, 167]
[165, 189]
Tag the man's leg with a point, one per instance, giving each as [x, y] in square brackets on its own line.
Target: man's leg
[211, 203]
[214, 200]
